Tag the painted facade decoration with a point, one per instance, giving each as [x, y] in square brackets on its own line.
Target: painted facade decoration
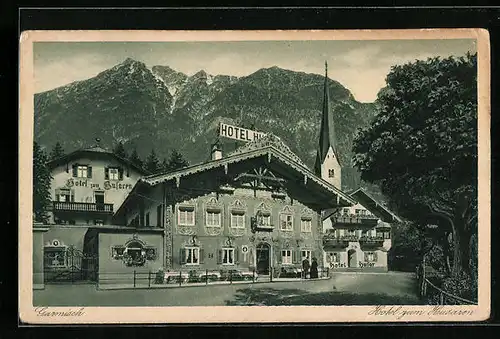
[254, 209]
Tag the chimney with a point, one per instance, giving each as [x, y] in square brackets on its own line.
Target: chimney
[216, 151]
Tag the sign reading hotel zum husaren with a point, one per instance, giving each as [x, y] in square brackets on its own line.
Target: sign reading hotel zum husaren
[238, 133]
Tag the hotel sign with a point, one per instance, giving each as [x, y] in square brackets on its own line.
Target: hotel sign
[239, 133]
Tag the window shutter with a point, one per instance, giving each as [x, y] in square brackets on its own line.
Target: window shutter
[280, 256]
[219, 257]
[328, 258]
[120, 173]
[375, 256]
[89, 171]
[75, 170]
[295, 255]
[182, 256]
[106, 173]
[237, 255]
[202, 256]
[366, 256]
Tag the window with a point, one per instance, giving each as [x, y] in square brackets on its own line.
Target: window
[159, 216]
[237, 219]
[351, 232]
[186, 216]
[98, 222]
[334, 257]
[305, 225]
[147, 219]
[331, 173]
[345, 211]
[64, 195]
[192, 255]
[387, 235]
[228, 256]
[286, 222]
[264, 219]
[306, 254]
[286, 257]
[82, 172]
[113, 174]
[55, 257]
[213, 218]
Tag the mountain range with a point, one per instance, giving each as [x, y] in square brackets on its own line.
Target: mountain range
[162, 109]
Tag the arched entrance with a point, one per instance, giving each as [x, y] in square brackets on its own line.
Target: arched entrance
[352, 258]
[263, 255]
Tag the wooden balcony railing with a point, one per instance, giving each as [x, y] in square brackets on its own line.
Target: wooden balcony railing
[82, 207]
[355, 219]
[371, 241]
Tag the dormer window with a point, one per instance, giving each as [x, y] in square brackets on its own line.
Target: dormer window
[331, 173]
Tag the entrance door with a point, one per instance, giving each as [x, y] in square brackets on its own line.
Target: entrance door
[352, 258]
[263, 255]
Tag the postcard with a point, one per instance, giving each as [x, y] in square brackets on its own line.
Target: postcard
[254, 176]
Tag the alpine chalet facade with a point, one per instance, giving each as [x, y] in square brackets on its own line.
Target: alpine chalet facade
[257, 208]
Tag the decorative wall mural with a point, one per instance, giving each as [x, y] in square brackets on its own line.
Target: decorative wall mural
[134, 253]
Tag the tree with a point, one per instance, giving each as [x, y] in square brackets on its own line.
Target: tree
[176, 161]
[164, 165]
[57, 151]
[41, 185]
[120, 151]
[152, 163]
[135, 159]
[422, 148]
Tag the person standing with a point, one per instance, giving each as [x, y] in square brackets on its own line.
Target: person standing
[314, 269]
[305, 267]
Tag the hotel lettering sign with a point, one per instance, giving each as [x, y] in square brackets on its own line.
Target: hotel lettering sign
[239, 133]
[107, 184]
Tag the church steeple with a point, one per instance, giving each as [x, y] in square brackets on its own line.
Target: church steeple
[327, 163]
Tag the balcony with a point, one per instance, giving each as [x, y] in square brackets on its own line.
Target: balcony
[353, 219]
[338, 242]
[371, 241]
[59, 206]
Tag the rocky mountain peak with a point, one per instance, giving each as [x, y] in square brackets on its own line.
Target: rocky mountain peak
[165, 109]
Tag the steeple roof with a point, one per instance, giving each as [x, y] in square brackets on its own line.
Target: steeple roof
[327, 132]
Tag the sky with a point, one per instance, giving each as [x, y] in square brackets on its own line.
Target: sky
[360, 66]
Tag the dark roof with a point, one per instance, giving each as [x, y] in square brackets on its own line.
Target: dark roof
[327, 136]
[272, 147]
[93, 150]
[371, 204]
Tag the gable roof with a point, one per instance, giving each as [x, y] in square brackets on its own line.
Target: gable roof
[93, 150]
[272, 141]
[374, 206]
[272, 148]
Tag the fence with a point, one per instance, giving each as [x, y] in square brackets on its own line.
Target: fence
[142, 279]
[428, 290]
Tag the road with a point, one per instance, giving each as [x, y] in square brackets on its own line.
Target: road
[342, 289]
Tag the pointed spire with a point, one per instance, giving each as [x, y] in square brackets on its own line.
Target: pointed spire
[327, 130]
